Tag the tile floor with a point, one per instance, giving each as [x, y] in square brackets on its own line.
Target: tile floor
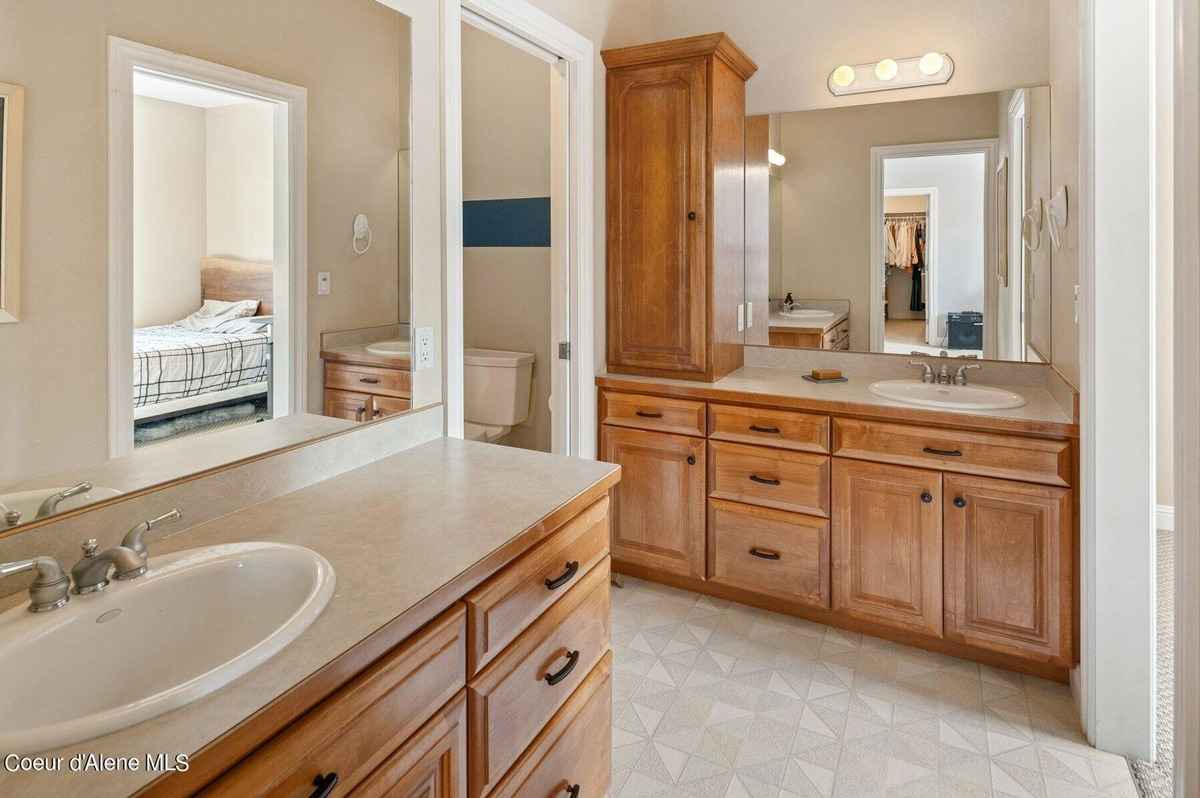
[721, 700]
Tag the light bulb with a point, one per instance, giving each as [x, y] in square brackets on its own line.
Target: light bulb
[887, 69]
[843, 76]
[932, 63]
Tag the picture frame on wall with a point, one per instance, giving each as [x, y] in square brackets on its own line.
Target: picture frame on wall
[1002, 222]
[12, 122]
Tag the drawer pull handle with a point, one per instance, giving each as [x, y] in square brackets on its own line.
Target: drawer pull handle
[764, 554]
[960, 502]
[764, 480]
[559, 581]
[649, 414]
[943, 452]
[572, 660]
[324, 785]
[767, 430]
[927, 497]
[574, 790]
[369, 380]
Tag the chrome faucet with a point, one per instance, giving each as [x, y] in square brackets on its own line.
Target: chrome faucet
[927, 374]
[126, 561]
[50, 505]
[960, 376]
[49, 590]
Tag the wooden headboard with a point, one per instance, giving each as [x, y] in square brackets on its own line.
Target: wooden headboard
[233, 280]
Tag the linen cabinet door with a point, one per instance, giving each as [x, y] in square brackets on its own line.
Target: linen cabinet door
[657, 273]
[1009, 567]
[658, 511]
[887, 544]
[431, 764]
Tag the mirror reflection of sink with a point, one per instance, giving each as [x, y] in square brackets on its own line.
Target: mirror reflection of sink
[27, 502]
[389, 348]
[949, 397]
[196, 621]
[811, 314]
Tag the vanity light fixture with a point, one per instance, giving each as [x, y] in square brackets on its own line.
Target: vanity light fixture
[775, 158]
[931, 69]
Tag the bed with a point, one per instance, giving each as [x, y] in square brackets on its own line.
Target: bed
[178, 370]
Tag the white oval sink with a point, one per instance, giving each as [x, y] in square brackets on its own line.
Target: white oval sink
[389, 348]
[948, 397]
[27, 502]
[196, 621]
[807, 314]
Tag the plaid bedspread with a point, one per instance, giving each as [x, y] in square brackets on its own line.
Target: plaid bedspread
[173, 363]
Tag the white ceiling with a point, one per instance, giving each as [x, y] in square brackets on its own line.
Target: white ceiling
[178, 91]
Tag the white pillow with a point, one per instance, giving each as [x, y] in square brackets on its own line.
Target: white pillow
[253, 325]
[215, 311]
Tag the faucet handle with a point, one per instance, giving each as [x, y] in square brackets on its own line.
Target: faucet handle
[960, 376]
[927, 374]
[133, 538]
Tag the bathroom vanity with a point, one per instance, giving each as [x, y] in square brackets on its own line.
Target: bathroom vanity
[954, 532]
[361, 385]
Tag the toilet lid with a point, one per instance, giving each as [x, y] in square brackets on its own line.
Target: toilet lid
[482, 432]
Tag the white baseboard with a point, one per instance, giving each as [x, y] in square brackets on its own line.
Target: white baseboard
[1165, 515]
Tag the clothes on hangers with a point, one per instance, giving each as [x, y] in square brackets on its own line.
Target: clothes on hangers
[917, 300]
[902, 236]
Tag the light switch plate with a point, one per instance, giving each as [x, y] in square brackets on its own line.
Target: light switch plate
[741, 318]
[424, 347]
[323, 284]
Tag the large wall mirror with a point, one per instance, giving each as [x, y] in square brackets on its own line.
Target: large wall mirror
[911, 228]
[218, 238]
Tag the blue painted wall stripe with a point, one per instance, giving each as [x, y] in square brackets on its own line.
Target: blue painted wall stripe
[507, 222]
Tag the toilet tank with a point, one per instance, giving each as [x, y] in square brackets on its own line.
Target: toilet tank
[496, 385]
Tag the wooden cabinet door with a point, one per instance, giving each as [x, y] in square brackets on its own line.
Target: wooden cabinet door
[657, 274]
[350, 406]
[887, 544]
[431, 764]
[1009, 567]
[659, 505]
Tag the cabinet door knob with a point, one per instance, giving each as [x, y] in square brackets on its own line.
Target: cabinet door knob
[691, 216]
[324, 785]
[960, 502]
[691, 459]
[927, 497]
[574, 790]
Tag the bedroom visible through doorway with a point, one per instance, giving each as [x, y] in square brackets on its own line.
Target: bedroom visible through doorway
[203, 246]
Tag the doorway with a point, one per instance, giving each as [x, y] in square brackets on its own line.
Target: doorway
[208, 334]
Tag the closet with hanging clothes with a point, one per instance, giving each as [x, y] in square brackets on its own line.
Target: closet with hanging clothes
[905, 284]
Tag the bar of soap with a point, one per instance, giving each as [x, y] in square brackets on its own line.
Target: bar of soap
[826, 374]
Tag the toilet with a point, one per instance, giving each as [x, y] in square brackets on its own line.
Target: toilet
[497, 386]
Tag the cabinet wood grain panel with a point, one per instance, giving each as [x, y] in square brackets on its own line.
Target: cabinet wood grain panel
[501, 608]
[658, 507]
[783, 429]
[773, 552]
[575, 748]
[356, 729]
[388, 406]
[347, 405]
[985, 454]
[657, 217]
[511, 700]
[887, 544]
[1009, 567]
[369, 379]
[431, 764]
[785, 480]
[678, 416]
[782, 336]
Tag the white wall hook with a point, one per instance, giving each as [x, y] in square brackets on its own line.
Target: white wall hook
[362, 234]
[1031, 226]
[1058, 214]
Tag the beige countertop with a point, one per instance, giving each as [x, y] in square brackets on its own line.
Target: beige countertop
[395, 531]
[803, 325]
[357, 353]
[1041, 414]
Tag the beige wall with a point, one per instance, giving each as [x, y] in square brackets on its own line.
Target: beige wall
[1064, 171]
[57, 50]
[506, 154]
[826, 188]
[168, 210]
[241, 181]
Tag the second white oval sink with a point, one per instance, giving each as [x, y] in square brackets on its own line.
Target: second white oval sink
[948, 397]
[389, 348]
[196, 621]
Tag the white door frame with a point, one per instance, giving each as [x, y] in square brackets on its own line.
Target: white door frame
[987, 147]
[931, 252]
[520, 19]
[1019, 171]
[291, 222]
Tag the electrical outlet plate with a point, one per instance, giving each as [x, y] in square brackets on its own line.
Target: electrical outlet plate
[323, 283]
[424, 348]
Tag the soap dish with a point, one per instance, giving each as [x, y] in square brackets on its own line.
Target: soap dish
[811, 378]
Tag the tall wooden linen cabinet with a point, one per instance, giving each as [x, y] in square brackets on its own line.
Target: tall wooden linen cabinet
[676, 207]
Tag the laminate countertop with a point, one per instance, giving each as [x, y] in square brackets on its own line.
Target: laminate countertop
[396, 532]
[806, 325]
[358, 354]
[1042, 413]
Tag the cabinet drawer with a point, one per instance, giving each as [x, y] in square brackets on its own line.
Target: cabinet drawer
[780, 428]
[1026, 459]
[506, 604]
[794, 481]
[369, 379]
[654, 412]
[510, 702]
[353, 731]
[575, 748]
[836, 335]
[769, 551]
